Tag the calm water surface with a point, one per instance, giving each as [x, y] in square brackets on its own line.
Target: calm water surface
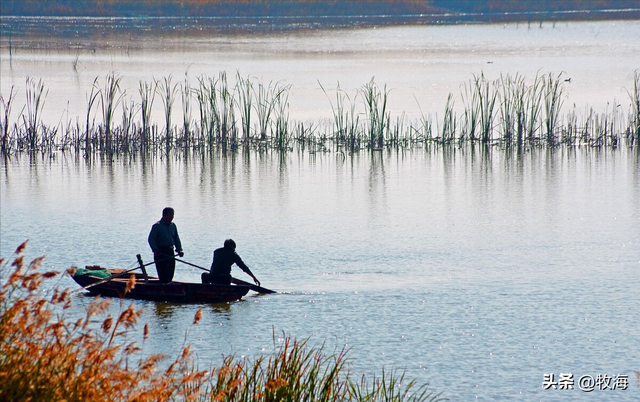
[478, 272]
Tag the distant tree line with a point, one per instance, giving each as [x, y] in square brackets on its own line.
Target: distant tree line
[243, 8]
[249, 8]
[502, 6]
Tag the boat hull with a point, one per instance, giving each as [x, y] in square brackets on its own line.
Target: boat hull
[179, 292]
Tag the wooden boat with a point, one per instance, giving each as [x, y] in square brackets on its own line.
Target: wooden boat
[113, 282]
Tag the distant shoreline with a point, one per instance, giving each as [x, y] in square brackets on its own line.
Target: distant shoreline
[53, 24]
[15, 27]
[332, 13]
[451, 17]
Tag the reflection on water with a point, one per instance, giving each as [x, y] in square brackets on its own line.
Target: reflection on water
[164, 312]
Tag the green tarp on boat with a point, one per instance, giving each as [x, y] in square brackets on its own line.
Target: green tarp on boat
[100, 273]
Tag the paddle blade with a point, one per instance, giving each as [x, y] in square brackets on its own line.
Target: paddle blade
[253, 287]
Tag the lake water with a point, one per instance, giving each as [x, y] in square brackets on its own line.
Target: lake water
[476, 271]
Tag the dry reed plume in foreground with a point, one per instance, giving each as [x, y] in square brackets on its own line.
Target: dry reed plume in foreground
[47, 356]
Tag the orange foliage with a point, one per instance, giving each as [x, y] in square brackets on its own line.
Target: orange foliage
[44, 357]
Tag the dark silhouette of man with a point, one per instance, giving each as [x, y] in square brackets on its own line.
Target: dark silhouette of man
[223, 259]
[162, 238]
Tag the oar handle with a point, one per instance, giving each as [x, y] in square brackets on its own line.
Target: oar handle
[193, 265]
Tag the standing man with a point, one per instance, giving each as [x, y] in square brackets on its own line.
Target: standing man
[162, 238]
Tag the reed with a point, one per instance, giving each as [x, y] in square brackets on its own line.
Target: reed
[553, 100]
[298, 372]
[533, 108]
[507, 109]
[571, 129]
[281, 122]
[268, 98]
[398, 135]
[225, 114]
[392, 387]
[519, 94]
[378, 116]
[147, 93]
[206, 95]
[186, 95]
[167, 93]
[423, 128]
[35, 98]
[471, 102]
[449, 122]
[487, 96]
[512, 109]
[346, 121]
[4, 124]
[110, 98]
[48, 353]
[244, 90]
[217, 110]
[127, 129]
[634, 95]
[92, 99]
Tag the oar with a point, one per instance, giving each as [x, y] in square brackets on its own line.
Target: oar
[256, 288]
[253, 287]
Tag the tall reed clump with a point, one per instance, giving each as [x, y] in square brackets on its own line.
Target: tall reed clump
[424, 130]
[553, 100]
[378, 116]
[187, 95]
[110, 98]
[635, 106]
[471, 102]
[244, 90]
[533, 107]
[449, 122]
[512, 111]
[479, 97]
[167, 93]
[487, 96]
[205, 95]
[4, 124]
[92, 99]
[217, 111]
[299, 372]
[346, 121]
[269, 98]
[281, 122]
[147, 93]
[499, 112]
[36, 96]
[48, 355]
[225, 115]
[128, 128]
